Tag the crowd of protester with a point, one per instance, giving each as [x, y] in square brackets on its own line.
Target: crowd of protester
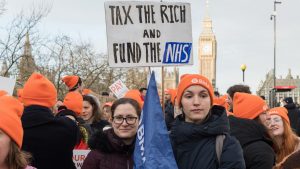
[208, 130]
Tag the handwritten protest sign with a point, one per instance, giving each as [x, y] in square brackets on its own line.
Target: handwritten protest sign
[118, 88]
[7, 84]
[79, 156]
[148, 33]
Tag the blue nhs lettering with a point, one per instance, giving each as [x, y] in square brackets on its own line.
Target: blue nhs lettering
[177, 52]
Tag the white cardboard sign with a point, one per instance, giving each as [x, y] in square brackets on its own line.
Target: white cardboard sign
[7, 84]
[148, 33]
[119, 89]
[79, 156]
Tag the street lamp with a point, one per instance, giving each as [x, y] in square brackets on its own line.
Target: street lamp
[243, 68]
[273, 17]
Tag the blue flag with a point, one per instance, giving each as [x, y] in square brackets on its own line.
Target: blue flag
[152, 147]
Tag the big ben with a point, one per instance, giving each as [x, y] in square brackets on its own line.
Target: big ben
[207, 50]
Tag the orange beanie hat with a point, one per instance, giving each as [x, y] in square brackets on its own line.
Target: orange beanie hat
[38, 90]
[172, 93]
[70, 81]
[135, 95]
[221, 101]
[20, 94]
[74, 102]
[2, 93]
[86, 91]
[183, 76]
[10, 118]
[194, 79]
[280, 111]
[109, 104]
[248, 106]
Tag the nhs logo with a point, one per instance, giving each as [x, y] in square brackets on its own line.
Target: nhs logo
[177, 52]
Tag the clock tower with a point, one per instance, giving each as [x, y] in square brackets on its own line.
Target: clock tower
[207, 50]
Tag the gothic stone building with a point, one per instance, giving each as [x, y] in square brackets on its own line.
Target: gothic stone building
[267, 85]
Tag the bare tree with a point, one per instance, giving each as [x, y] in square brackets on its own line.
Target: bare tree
[63, 56]
[136, 78]
[11, 46]
[2, 6]
[51, 58]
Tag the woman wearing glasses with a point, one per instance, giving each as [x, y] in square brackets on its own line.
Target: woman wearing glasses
[113, 148]
[287, 143]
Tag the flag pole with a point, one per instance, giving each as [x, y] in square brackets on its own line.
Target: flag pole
[163, 89]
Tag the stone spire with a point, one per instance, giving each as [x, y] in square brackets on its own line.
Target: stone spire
[289, 75]
[27, 46]
[4, 69]
[207, 22]
[27, 64]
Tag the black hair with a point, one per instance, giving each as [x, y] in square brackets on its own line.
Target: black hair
[132, 102]
[96, 108]
[216, 93]
[104, 94]
[142, 89]
[238, 88]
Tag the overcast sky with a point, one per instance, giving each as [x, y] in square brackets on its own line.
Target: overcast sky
[243, 30]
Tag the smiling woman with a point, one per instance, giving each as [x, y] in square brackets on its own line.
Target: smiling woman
[197, 129]
[113, 148]
[286, 141]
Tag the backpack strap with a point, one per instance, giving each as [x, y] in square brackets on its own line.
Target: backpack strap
[219, 146]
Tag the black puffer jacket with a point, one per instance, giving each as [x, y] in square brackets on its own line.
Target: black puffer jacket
[49, 139]
[169, 114]
[294, 115]
[194, 145]
[256, 144]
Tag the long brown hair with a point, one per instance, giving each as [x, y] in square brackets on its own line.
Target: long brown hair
[97, 114]
[289, 143]
[17, 159]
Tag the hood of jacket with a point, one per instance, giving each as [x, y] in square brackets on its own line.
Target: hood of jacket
[248, 131]
[35, 115]
[290, 106]
[216, 124]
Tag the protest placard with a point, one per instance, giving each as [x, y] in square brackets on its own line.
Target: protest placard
[148, 33]
[119, 89]
[7, 84]
[79, 156]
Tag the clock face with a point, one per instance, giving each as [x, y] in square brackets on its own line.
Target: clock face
[207, 49]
